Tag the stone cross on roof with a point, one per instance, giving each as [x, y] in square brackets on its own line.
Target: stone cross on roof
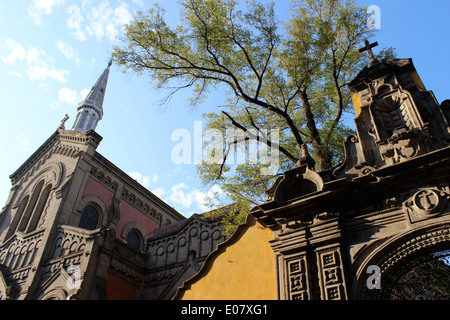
[368, 47]
[63, 121]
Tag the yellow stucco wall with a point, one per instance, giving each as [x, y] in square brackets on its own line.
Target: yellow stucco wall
[357, 103]
[416, 79]
[242, 268]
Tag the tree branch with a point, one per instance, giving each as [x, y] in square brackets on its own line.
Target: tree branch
[269, 143]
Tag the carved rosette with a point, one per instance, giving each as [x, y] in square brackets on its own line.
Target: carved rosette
[425, 203]
[331, 275]
[297, 278]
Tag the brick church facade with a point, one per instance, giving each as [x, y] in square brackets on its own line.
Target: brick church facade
[75, 226]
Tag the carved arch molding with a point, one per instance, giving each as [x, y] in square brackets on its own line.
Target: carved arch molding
[394, 254]
[52, 173]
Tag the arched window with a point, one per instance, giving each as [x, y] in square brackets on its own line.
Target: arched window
[83, 118]
[30, 208]
[39, 208]
[134, 239]
[89, 218]
[17, 216]
[91, 123]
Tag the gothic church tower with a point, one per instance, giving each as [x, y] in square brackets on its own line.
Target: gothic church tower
[74, 225]
[90, 110]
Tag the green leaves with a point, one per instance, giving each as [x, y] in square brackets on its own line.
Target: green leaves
[287, 76]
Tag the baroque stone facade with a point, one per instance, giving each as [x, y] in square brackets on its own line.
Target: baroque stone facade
[385, 205]
[346, 233]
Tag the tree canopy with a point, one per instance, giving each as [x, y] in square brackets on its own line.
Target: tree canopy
[286, 77]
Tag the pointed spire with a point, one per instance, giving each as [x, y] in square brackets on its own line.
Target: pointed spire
[90, 110]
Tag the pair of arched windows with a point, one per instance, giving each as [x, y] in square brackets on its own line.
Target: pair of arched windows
[30, 210]
[89, 220]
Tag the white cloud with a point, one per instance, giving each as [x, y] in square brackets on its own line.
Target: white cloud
[68, 95]
[39, 8]
[36, 59]
[15, 74]
[180, 195]
[68, 51]
[139, 3]
[159, 192]
[17, 51]
[42, 71]
[143, 180]
[101, 21]
[65, 49]
[74, 22]
[186, 197]
[25, 143]
[84, 93]
[122, 15]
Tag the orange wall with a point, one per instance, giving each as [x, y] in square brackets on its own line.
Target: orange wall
[242, 268]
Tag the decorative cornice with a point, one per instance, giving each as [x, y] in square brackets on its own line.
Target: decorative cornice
[343, 195]
[63, 142]
[133, 192]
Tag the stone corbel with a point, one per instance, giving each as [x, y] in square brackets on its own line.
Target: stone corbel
[7, 291]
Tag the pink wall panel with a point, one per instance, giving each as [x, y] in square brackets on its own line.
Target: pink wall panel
[95, 188]
[130, 214]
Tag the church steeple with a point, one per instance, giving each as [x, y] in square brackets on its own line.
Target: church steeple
[90, 110]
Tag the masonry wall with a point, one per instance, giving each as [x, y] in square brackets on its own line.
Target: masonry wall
[243, 267]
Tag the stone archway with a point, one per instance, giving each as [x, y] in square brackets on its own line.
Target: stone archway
[395, 257]
[426, 277]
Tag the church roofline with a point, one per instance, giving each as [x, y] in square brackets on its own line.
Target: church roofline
[386, 66]
[177, 215]
[74, 137]
[335, 194]
[209, 261]
[31, 160]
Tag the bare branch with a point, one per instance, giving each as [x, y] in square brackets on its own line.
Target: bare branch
[269, 143]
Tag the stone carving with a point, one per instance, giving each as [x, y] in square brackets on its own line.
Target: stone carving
[69, 242]
[425, 203]
[177, 253]
[63, 122]
[17, 255]
[331, 275]
[297, 278]
[394, 253]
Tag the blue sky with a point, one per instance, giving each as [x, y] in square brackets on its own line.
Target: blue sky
[53, 51]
